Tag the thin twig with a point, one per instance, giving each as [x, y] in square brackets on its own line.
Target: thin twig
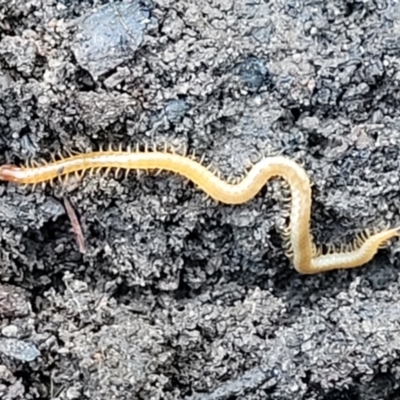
[76, 226]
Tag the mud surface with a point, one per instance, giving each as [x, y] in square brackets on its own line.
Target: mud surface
[177, 297]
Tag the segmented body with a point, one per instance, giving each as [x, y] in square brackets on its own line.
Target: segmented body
[306, 258]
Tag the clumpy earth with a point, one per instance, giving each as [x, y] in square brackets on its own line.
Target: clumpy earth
[174, 296]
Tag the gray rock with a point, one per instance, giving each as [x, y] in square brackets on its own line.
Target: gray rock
[110, 36]
[18, 349]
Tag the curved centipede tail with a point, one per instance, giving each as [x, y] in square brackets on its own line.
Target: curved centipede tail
[365, 249]
[395, 233]
[9, 173]
[380, 240]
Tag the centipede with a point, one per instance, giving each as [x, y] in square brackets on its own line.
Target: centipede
[305, 255]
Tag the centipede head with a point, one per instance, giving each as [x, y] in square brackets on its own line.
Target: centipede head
[9, 173]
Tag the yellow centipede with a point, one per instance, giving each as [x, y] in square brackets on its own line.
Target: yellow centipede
[306, 257]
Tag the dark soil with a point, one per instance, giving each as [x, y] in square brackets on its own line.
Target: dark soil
[177, 297]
